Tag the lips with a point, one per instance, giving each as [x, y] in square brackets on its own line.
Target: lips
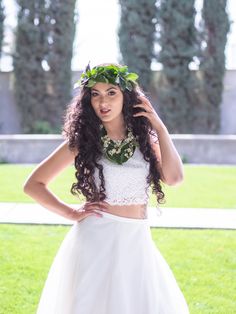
[104, 111]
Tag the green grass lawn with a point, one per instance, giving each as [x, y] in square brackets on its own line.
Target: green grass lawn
[203, 262]
[204, 186]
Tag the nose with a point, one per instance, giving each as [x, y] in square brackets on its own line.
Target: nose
[103, 101]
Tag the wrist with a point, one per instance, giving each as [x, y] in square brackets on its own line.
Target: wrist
[66, 210]
[72, 214]
[161, 128]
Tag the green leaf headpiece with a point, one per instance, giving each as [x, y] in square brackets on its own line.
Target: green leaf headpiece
[111, 74]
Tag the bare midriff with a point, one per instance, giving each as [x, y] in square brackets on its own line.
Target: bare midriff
[129, 211]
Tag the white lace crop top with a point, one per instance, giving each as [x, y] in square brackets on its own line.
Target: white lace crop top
[125, 184]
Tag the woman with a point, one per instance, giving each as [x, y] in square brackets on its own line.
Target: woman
[108, 263]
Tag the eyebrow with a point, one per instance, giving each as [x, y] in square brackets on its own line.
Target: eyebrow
[107, 89]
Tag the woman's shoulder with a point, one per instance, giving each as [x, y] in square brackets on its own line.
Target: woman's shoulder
[68, 147]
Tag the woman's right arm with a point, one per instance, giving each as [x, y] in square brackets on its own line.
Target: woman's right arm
[36, 184]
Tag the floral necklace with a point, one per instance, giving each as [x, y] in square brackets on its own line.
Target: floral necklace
[118, 151]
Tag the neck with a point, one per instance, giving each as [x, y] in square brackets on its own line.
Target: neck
[116, 129]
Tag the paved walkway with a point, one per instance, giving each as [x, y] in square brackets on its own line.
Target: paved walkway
[19, 213]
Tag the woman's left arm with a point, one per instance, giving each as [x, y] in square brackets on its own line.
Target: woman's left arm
[170, 164]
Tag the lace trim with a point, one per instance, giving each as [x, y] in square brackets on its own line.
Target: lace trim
[127, 201]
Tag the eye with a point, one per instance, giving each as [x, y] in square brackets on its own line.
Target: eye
[111, 93]
[94, 94]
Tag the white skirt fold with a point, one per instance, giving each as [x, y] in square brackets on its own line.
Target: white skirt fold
[110, 265]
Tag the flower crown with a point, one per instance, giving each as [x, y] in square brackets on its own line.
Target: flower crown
[113, 74]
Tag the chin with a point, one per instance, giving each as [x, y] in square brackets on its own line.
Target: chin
[107, 119]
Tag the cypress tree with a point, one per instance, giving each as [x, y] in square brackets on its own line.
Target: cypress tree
[30, 77]
[42, 63]
[60, 54]
[212, 66]
[2, 17]
[177, 86]
[136, 37]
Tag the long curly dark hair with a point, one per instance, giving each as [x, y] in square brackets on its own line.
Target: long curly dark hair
[82, 130]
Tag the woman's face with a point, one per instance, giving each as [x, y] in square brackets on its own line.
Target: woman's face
[107, 101]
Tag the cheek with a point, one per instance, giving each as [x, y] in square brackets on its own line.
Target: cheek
[120, 107]
[119, 103]
[94, 105]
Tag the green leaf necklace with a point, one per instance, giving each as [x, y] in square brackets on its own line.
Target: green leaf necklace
[118, 151]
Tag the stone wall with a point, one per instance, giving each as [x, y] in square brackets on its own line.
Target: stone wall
[199, 149]
[228, 107]
[9, 115]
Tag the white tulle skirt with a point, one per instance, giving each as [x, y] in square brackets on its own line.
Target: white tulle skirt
[110, 265]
